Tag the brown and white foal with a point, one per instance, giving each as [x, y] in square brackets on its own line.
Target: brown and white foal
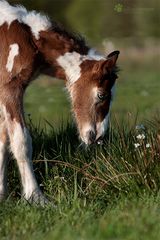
[29, 41]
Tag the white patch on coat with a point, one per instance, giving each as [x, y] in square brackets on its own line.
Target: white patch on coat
[36, 21]
[21, 146]
[71, 62]
[10, 13]
[14, 51]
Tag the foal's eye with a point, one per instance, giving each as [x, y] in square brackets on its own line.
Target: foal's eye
[102, 96]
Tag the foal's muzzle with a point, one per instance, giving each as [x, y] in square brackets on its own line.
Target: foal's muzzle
[92, 138]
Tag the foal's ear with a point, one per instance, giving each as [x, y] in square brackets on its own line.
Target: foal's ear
[110, 62]
[112, 57]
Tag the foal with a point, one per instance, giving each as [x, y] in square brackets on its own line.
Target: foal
[29, 41]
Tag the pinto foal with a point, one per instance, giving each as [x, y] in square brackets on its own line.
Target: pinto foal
[29, 41]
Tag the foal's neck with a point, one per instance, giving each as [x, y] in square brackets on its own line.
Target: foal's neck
[65, 52]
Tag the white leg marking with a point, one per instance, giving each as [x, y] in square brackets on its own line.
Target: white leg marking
[21, 146]
[14, 51]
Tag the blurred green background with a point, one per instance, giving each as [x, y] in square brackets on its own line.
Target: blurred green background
[129, 26]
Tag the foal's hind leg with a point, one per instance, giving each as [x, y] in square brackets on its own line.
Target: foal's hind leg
[3, 157]
[21, 146]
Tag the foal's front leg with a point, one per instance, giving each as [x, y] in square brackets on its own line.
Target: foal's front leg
[21, 146]
[3, 157]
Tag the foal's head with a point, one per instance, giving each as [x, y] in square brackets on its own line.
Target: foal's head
[90, 80]
[91, 97]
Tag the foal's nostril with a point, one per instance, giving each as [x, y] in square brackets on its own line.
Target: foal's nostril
[91, 137]
[99, 141]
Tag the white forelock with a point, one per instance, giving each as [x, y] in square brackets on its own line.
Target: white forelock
[71, 62]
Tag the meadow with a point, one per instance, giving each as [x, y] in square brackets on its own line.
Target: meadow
[101, 192]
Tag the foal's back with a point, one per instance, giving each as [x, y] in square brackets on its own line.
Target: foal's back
[18, 27]
[16, 50]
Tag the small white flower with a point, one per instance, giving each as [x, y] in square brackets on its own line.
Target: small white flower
[137, 145]
[140, 136]
[148, 145]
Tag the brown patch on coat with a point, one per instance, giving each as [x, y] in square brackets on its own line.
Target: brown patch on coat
[13, 84]
[16, 33]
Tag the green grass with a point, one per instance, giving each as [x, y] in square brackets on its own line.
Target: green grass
[46, 99]
[104, 192]
[128, 218]
[137, 90]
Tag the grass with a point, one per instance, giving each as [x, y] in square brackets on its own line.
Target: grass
[45, 99]
[138, 92]
[125, 219]
[104, 192]
[107, 192]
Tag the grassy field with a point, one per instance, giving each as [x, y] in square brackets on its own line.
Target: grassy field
[107, 192]
[104, 192]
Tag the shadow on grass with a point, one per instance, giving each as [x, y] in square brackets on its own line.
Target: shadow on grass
[127, 162]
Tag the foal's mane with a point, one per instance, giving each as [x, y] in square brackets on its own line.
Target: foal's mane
[75, 36]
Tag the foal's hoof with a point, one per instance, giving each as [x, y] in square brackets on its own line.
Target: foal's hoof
[37, 198]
